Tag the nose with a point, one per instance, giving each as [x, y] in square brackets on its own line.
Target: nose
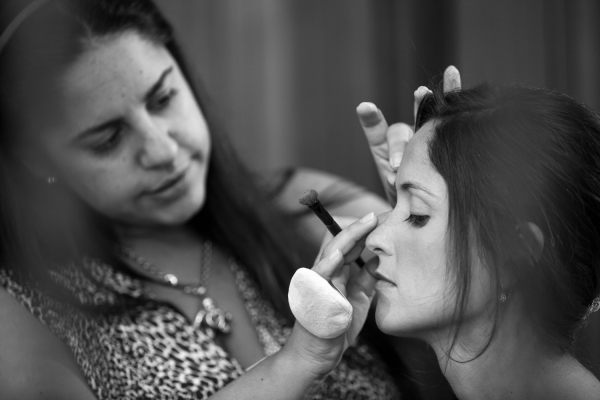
[376, 239]
[159, 147]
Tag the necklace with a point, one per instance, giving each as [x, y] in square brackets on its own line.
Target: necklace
[210, 316]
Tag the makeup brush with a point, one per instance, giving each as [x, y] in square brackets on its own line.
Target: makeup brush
[310, 198]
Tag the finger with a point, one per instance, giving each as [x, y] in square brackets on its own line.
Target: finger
[352, 237]
[419, 94]
[398, 136]
[326, 239]
[343, 222]
[328, 265]
[373, 123]
[364, 282]
[350, 242]
[360, 293]
[451, 79]
[340, 277]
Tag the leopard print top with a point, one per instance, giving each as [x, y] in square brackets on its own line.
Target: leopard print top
[148, 350]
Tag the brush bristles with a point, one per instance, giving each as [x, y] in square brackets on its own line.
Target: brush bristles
[309, 198]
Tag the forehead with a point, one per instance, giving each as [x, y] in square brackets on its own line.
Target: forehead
[115, 71]
[124, 57]
[417, 149]
[417, 167]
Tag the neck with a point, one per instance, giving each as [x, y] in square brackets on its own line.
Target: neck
[143, 236]
[517, 364]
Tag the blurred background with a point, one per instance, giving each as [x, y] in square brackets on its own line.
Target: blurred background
[287, 75]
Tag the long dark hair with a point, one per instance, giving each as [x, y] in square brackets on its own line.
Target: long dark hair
[510, 155]
[41, 227]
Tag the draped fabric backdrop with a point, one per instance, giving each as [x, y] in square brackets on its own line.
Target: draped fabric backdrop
[286, 76]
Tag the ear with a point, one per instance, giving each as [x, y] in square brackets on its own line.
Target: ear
[532, 237]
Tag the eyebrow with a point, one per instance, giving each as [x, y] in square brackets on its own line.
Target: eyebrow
[406, 186]
[117, 121]
[159, 83]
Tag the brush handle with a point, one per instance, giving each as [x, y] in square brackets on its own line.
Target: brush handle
[330, 224]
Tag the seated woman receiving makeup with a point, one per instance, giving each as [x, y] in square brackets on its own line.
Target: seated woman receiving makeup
[491, 254]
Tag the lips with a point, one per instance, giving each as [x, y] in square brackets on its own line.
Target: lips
[383, 279]
[168, 182]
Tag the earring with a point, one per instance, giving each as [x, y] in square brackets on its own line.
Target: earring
[503, 297]
[503, 294]
[595, 306]
[50, 180]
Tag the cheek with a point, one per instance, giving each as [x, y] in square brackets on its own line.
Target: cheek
[421, 257]
[100, 184]
[191, 124]
[423, 295]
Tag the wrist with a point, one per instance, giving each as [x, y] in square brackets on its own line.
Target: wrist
[314, 356]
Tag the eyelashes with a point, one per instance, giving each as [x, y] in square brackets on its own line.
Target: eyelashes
[162, 101]
[418, 221]
[111, 141]
[113, 138]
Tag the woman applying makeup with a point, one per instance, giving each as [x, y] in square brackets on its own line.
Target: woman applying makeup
[139, 258]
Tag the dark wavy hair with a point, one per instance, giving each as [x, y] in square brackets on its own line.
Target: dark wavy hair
[42, 228]
[514, 154]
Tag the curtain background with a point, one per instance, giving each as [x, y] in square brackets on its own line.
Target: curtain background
[287, 75]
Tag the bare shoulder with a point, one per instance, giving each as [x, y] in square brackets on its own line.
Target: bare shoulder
[34, 364]
[576, 383]
[342, 197]
[586, 387]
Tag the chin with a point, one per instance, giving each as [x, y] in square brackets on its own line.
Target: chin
[382, 317]
[182, 211]
[394, 322]
[186, 212]
[393, 327]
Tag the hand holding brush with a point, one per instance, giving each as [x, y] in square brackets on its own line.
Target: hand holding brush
[319, 306]
[310, 198]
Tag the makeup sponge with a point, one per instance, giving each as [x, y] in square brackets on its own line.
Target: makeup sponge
[321, 309]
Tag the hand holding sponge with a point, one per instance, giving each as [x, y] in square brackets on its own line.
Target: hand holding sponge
[318, 307]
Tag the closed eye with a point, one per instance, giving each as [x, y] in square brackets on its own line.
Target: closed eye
[418, 221]
[162, 100]
[110, 141]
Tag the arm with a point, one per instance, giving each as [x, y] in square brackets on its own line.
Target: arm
[34, 364]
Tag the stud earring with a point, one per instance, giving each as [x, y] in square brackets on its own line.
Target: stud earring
[50, 180]
[503, 295]
[595, 306]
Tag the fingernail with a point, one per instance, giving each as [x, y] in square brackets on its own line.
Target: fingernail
[367, 218]
[422, 91]
[369, 115]
[334, 255]
[396, 159]
[368, 107]
[450, 69]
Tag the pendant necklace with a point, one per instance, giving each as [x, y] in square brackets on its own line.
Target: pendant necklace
[210, 316]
